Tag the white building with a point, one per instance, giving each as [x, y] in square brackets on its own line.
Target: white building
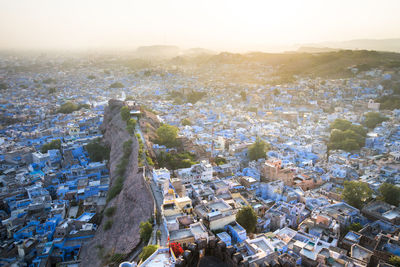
[372, 105]
[38, 157]
[161, 175]
[202, 171]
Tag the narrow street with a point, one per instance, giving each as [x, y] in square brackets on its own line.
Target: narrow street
[157, 194]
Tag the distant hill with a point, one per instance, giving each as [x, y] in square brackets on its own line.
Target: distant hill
[169, 51]
[158, 51]
[391, 45]
[328, 64]
[198, 51]
[309, 49]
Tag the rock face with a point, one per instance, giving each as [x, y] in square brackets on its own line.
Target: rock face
[134, 203]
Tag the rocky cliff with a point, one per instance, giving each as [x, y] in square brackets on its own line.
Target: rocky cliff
[133, 204]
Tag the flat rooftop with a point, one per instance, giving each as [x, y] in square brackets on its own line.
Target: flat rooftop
[180, 234]
[261, 244]
[392, 214]
[160, 258]
[197, 229]
[219, 205]
[237, 228]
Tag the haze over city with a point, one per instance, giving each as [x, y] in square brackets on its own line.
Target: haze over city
[208, 133]
[219, 25]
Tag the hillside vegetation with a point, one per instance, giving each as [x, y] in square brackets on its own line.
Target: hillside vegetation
[329, 64]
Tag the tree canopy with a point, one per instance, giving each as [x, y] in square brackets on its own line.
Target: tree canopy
[346, 136]
[390, 193]
[394, 260]
[374, 118]
[243, 95]
[194, 96]
[389, 102]
[69, 107]
[131, 125]
[186, 122]
[220, 160]
[355, 227]
[125, 113]
[258, 149]
[3, 86]
[55, 144]
[356, 193]
[167, 135]
[145, 231]
[49, 80]
[147, 251]
[180, 97]
[175, 160]
[247, 218]
[341, 124]
[97, 151]
[117, 85]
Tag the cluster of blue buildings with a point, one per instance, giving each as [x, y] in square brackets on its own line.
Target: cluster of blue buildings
[48, 198]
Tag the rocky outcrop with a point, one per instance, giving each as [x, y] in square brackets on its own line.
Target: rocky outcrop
[133, 204]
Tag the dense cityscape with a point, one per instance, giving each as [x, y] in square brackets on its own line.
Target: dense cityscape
[113, 162]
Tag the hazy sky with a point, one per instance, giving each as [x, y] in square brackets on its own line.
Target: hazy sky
[214, 24]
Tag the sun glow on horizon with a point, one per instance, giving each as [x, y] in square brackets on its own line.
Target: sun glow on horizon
[234, 25]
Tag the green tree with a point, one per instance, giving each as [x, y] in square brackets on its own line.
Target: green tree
[147, 251]
[356, 193]
[247, 218]
[358, 129]
[117, 85]
[97, 152]
[145, 231]
[49, 80]
[355, 227]
[167, 135]
[131, 125]
[346, 136]
[194, 97]
[86, 106]
[52, 90]
[108, 224]
[117, 258]
[389, 102]
[390, 193]
[158, 234]
[109, 212]
[243, 95]
[394, 260]
[3, 86]
[276, 92]
[374, 118]
[91, 77]
[186, 122]
[175, 160]
[349, 145]
[252, 109]
[55, 144]
[125, 113]
[220, 160]
[258, 149]
[337, 136]
[341, 124]
[68, 107]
